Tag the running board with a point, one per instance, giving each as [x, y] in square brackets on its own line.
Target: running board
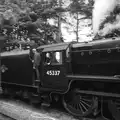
[98, 93]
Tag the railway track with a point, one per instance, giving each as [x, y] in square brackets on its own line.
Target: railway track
[21, 110]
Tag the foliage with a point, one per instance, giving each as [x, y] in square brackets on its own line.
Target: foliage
[21, 20]
[25, 20]
[79, 10]
[81, 7]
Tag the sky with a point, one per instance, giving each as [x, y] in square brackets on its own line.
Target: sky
[67, 34]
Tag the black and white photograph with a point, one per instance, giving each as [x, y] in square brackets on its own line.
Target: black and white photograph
[59, 59]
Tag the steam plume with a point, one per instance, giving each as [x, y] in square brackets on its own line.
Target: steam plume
[103, 9]
[109, 28]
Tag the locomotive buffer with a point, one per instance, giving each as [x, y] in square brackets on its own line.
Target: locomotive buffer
[2, 39]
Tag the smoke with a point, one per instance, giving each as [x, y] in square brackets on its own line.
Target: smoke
[109, 28]
[103, 9]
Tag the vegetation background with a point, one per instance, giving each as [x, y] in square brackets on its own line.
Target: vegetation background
[39, 22]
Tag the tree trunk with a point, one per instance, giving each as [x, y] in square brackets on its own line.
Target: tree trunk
[59, 23]
[77, 28]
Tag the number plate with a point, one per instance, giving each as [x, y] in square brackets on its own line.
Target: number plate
[53, 72]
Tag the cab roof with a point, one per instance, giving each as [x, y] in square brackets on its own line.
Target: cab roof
[54, 47]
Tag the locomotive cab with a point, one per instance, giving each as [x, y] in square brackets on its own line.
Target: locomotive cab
[53, 70]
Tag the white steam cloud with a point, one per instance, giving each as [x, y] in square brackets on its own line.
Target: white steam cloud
[102, 9]
[109, 28]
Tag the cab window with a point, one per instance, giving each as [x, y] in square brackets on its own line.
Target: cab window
[52, 58]
[47, 58]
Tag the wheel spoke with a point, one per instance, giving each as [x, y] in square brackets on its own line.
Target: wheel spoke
[87, 100]
[86, 103]
[79, 105]
[81, 108]
[84, 106]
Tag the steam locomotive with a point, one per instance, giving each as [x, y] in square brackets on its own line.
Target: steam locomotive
[82, 75]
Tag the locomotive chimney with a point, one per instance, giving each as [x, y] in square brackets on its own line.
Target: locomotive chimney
[106, 17]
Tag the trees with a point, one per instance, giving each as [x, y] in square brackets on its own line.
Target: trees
[28, 19]
[79, 10]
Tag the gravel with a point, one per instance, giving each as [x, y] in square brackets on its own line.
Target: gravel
[23, 111]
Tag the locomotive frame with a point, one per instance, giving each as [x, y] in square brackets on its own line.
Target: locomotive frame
[79, 75]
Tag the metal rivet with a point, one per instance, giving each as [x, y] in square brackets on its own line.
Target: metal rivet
[109, 51]
[82, 53]
[90, 52]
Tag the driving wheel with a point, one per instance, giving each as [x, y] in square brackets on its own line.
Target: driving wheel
[78, 104]
[114, 107]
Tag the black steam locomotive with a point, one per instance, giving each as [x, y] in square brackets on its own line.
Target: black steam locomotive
[82, 75]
